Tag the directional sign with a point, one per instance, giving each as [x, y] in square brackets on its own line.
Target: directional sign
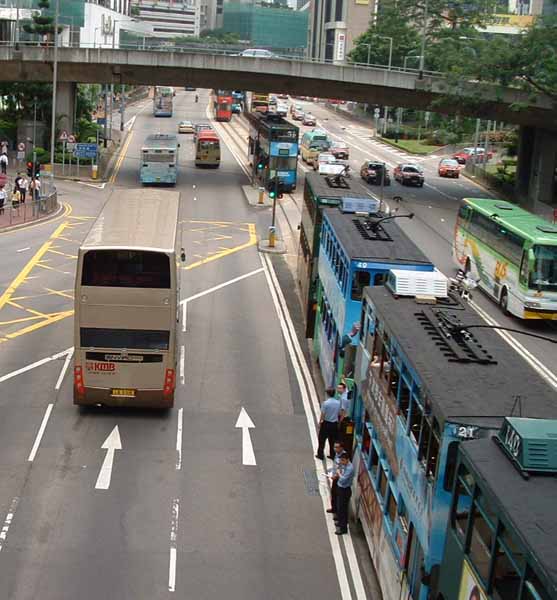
[85, 150]
[111, 444]
[245, 424]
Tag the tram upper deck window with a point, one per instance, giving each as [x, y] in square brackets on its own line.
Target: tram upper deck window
[126, 268]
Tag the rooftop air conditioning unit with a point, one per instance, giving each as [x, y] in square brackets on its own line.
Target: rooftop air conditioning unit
[429, 284]
[531, 444]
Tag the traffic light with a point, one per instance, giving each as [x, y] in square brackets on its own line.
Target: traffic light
[30, 169]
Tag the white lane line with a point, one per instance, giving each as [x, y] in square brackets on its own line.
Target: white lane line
[179, 439]
[34, 365]
[8, 521]
[182, 364]
[536, 364]
[40, 433]
[221, 285]
[64, 369]
[323, 489]
[184, 315]
[175, 515]
[24, 249]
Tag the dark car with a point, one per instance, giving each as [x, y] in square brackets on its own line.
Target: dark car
[372, 171]
[340, 150]
[409, 174]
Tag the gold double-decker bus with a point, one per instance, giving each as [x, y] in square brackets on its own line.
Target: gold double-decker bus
[126, 303]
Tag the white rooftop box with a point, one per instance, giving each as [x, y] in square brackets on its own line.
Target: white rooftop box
[418, 283]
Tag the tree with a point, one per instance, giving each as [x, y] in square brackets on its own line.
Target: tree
[43, 23]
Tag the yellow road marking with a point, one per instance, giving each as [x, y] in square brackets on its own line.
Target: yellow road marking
[51, 319]
[29, 310]
[121, 158]
[20, 320]
[24, 273]
[60, 293]
[252, 242]
[62, 253]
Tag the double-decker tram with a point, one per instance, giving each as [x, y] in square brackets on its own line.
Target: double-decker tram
[159, 159]
[163, 99]
[512, 253]
[358, 247]
[501, 539]
[429, 377]
[126, 300]
[222, 103]
[273, 150]
[319, 192]
[259, 103]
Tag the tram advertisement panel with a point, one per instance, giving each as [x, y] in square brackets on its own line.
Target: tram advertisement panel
[414, 487]
[382, 412]
[470, 589]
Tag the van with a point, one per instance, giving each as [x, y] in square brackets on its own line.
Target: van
[314, 142]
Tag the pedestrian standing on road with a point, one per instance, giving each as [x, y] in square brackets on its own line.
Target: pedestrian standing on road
[345, 477]
[4, 162]
[339, 451]
[2, 200]
[36, 185]
[328, 428]
[23, 187]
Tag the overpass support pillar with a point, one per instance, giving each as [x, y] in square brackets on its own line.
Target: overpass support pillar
[66, 98]
[536, 178]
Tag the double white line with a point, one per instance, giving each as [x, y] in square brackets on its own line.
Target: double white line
[312, 411]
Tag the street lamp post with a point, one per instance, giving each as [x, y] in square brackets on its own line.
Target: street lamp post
[386, 37]
[17, 25]
[422, 51]
[54, 85]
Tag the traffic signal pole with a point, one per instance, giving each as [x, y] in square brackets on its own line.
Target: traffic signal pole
[272, 228]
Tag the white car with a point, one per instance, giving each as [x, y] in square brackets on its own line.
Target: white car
[282, 110]
[257, 53]
[185, 127]
[328, 164]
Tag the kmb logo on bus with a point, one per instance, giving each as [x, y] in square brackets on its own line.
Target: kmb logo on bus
[96, 367]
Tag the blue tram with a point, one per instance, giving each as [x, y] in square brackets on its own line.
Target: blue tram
[273, 150]
[358, 247]
[423, 386]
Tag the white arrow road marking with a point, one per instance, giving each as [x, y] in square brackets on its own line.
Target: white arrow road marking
[245, 423]
[111, 444]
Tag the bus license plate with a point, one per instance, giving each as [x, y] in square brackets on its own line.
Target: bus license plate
[122, 393]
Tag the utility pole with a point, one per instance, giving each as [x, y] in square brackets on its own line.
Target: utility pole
[17, 25]
[422, 52]
[54, 86]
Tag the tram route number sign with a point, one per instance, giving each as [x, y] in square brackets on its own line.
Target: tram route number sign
[85, 150]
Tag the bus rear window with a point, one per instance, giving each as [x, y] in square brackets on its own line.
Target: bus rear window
[130, 339]
[126, 268]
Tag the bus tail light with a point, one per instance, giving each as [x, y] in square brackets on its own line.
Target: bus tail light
[78, 380]
[169, 382]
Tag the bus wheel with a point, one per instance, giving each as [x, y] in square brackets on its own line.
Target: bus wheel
[504, 302]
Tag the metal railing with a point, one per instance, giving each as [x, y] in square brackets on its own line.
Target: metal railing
[19, 213]
[211, 51]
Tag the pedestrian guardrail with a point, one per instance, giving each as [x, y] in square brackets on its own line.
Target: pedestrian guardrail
[12, 213]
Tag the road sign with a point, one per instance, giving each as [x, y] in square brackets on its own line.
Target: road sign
[20, 155]
[85, 150]
[377, 112]
[21, 147]
[63, 136]
[71, 139]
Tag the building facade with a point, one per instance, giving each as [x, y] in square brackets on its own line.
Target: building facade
[170, 18]
[334, 25]
[279, 29]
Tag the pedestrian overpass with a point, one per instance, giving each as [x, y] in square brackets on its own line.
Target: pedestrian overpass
[204, 68]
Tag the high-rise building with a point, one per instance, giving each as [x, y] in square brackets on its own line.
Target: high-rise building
[279, 29]
[169, 18]
[210, 14]
[334, 25]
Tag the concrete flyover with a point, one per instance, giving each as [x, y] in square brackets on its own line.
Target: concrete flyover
[297, 77]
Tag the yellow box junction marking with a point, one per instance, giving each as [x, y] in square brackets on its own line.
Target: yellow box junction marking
[227, 251]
